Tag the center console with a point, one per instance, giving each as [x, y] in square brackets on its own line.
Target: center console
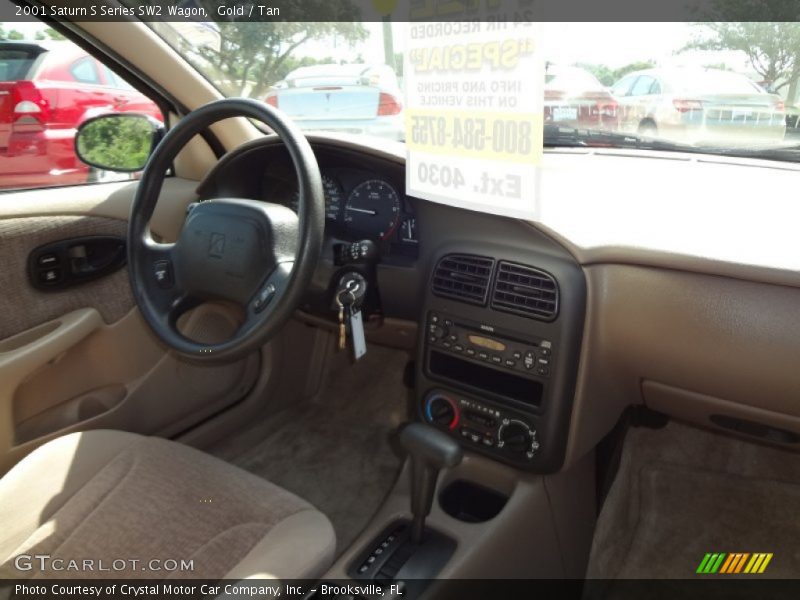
[497, 361]
[497, 356]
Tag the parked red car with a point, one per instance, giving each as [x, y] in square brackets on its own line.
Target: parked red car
[47, 89]
[575, 98]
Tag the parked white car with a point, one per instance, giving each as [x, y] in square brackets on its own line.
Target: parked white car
[349, 98]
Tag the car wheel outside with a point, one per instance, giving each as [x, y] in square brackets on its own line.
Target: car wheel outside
[647, 129]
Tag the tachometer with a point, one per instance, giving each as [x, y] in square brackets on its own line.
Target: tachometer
[372, 210]
[333, 198]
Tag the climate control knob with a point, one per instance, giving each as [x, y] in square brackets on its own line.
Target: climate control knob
[442, 411]
[517, 438]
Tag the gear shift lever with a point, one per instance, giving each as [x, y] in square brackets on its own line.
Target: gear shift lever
[430, 451]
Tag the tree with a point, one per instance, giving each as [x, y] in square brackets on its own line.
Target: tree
[253, 55]
[772, 48]
[608, 76]
[117, 142]
[52, 34]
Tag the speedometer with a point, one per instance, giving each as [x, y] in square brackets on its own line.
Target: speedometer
[372, 210]
[333, 198]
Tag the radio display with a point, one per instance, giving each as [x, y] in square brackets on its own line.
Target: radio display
[485, 342]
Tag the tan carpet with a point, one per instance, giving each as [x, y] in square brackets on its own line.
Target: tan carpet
[335, 450]
[682, 492]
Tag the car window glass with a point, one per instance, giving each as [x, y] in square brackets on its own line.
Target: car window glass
[15, 63]
[655, 89]
[115, 80]
[83, 70]
[623, 86]
[44, 102]
[642, 86]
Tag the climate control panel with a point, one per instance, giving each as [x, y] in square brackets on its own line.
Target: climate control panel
[487, 427]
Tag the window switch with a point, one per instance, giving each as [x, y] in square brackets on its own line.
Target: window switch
[50, 276]
[50, 259]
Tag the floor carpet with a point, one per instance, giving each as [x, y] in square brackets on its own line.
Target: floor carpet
[682, 492]
[336, 450]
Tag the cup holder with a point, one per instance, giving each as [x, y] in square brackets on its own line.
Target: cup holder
[471, 502]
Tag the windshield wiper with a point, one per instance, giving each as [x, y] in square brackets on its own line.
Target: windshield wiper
[573, 137]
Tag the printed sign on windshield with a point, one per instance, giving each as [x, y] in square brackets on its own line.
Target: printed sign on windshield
[474, 95]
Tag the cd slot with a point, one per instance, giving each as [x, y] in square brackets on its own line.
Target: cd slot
[475, 375]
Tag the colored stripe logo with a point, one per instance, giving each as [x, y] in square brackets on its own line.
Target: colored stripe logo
[733, 563]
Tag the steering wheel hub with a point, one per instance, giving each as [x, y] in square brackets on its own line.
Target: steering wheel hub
[258, 255]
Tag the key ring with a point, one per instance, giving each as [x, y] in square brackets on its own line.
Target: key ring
[339, 298]
[352, 286]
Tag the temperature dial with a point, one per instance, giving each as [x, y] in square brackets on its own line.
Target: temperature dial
[517, 438]
[442, 411]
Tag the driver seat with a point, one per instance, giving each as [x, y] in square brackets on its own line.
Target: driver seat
[112, 495]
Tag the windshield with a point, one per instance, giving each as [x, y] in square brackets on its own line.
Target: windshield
[720, 86]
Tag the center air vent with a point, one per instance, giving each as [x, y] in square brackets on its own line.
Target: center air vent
[463, 277]
[525, 291]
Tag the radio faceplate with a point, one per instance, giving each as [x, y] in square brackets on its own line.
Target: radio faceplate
[484, 343]
[486, 358]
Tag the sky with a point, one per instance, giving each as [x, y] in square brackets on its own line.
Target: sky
[611, 44]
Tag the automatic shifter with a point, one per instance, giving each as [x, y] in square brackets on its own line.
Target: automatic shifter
[430, 451]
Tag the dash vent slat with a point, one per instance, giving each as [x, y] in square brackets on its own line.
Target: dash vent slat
[463, 277]
[525, 291]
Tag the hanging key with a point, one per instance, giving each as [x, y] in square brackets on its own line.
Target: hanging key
[357, 331]
[343, 298]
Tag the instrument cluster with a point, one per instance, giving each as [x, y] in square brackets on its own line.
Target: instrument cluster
[358, 205]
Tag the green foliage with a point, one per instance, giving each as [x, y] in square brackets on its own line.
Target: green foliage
[117, 142]
[772, 48]
[53, 34]
[608, 76]
[253, 56]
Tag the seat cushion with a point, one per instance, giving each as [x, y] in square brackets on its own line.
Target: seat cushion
[116, 496]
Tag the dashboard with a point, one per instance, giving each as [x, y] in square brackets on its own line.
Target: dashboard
[359, 204]
[364, 195]
[666, 314]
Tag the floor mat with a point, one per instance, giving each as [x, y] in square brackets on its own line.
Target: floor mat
[335, 450]
[683, 492]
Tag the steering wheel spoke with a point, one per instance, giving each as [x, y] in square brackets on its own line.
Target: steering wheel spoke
[271, 290]
[256, 254]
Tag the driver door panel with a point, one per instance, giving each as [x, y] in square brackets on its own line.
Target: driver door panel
[82, 357]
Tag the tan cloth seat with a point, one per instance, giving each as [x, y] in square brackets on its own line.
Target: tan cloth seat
[111, 496]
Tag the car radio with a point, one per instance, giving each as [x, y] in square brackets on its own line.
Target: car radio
[504, 376]
[483, 343]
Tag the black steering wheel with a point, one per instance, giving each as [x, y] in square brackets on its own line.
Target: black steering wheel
[258, 255]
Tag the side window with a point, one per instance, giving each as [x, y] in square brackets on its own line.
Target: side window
[655, 89]
[83, 70]
[114, 80]
[623, 86]
[642, 86]
[37, 131]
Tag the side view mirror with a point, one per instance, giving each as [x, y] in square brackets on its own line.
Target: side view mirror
[117, 142]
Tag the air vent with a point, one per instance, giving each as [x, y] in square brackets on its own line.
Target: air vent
[463, 277]
[525, 291]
